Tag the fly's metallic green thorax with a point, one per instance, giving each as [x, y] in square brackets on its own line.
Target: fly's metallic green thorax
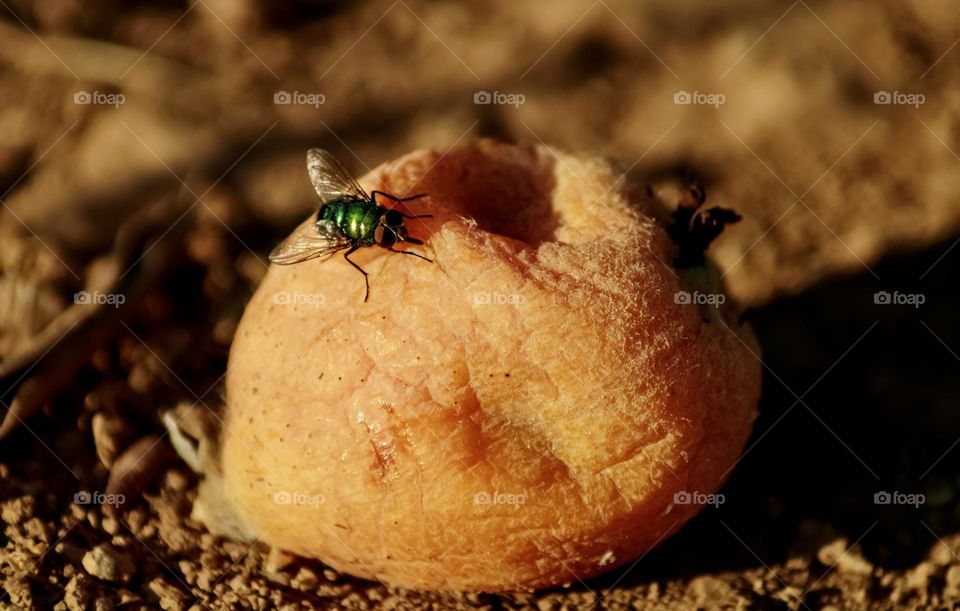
[348, 219]
[356, 219]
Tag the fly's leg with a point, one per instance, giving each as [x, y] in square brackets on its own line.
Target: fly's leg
[366, 281]
[410, 252]
[374, 194]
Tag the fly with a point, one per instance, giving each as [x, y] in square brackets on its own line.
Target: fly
[348, 219]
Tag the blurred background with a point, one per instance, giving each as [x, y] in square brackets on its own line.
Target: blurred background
[153, 153]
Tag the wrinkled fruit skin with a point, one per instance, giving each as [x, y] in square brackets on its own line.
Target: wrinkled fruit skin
[518, 414]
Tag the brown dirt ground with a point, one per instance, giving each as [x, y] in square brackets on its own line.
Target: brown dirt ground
[841, 198]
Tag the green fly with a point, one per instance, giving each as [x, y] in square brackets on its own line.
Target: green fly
[348, 219]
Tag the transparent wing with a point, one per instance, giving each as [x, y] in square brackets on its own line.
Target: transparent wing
[330, 179]
[307, 242]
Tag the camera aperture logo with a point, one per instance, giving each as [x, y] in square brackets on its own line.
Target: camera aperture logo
[99, 98]
[897, 298]
[294, 497]
[95, 497]
[296, 298]
[499, 98]
[685, 497]
[899, 498]
[299, 98]
[499, 498]
[899, 98]
[97, 298]
[699, 98]
[484, 298]
[697, 298]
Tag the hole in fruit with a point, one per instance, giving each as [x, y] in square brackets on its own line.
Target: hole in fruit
[507, 196]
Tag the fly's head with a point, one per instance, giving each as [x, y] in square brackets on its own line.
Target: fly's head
[390, 230]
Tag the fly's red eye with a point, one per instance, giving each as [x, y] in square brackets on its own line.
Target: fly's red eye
[384, 236]
[393, 218]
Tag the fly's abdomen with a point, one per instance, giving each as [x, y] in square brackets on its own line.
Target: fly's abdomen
[359, 220]
[332, 211]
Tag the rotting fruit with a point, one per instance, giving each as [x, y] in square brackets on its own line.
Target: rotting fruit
[549, 400]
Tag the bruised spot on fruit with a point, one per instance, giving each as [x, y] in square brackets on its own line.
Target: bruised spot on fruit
[383, 447]
[537, 405]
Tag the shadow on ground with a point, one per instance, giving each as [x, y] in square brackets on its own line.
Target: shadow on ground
[859, 399]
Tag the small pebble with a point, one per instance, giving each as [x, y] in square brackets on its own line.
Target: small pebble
[176, 480]
[305, 579]
[846, 561]
[941, 554]
[110, 525]
[277, 560]
[136, 518]
[111, 434]
[953, 581]
[919, 576]
[18, 510]
[78, 511]
[78, 592]
[105, 562]
[104, 604]
[171, 597]
[330, 575]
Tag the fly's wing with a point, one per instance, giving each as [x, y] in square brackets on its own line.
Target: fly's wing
[309, 241]
[330, 179]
